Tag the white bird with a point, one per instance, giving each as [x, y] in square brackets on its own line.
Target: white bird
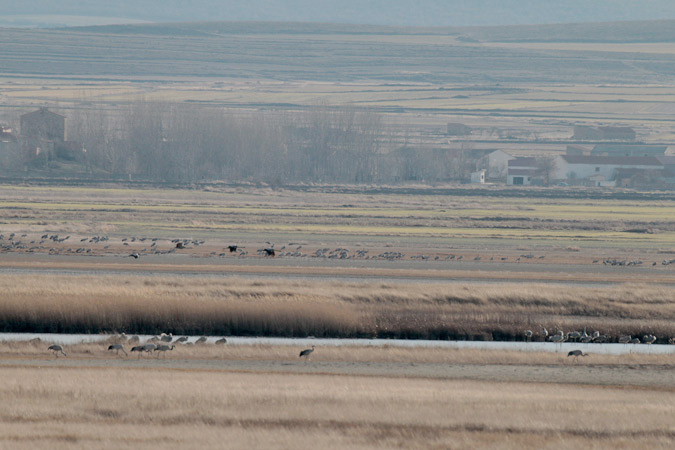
[56, 349]
[306, 353]
[117, 347]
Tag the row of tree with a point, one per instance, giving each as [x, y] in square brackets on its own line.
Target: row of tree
[187, 143]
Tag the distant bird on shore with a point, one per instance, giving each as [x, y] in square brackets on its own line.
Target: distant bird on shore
[221, 341]
[232, 248]
[558, 338]
[201, 340]
[163, 348]
[166, 337]
[648, 339]
[56, 349]
[528, 335]
[135, 255]
[576, 354]
[624, 339]
[117, 347]
[148, 348]
[544, 332]
[181, 339]
[139, 349]
[306, 353]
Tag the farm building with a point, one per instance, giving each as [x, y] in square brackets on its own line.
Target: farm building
[617, 133]
[10, 150]
[43, 124]
[478, 177]
[43, 135]
[600, 169]
[522, 171]
[497, 164]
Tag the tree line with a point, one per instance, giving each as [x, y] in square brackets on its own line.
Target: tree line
[183, 143]
[186, 143]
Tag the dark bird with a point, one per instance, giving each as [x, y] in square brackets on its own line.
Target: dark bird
[117, 347]
[232, 248]
[135, 255]
[269, 251]
[576, 354]
[163, 348]
[307, 352]
[221, 341]
[56, 349]
[139, 349]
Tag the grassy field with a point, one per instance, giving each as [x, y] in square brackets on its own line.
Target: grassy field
[348, 216]
[80, 402]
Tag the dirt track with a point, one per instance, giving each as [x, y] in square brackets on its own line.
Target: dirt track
[583, 373]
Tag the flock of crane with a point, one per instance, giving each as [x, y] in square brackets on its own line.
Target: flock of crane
[595, 337]
[159, 344]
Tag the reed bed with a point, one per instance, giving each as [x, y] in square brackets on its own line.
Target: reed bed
[247, 307]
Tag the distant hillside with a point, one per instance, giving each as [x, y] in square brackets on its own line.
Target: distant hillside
[379, 12]
[616, 32]
[622, 32]
[329, 52]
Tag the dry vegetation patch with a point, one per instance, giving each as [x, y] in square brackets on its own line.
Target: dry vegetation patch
[143, 408]
[267, 307]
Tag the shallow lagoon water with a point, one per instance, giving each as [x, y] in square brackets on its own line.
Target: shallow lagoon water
[614, 349]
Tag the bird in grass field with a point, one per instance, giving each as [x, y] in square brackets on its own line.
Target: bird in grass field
[576, 354]
[56, 349]
[306, 353]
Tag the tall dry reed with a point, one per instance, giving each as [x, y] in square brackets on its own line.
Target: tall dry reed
[271, 307]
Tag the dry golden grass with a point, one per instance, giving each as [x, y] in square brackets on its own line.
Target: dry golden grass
[231, 306]
[150, 408]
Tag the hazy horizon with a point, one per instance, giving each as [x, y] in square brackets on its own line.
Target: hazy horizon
[432, 13]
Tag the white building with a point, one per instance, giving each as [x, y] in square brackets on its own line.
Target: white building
[478, 177]
[521, 171]
[497, 164]
[571, 167]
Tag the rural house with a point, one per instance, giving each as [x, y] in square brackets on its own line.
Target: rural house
[497, 164]
[601, 170]
[522, 171]
[43, 124]
[43, 134]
